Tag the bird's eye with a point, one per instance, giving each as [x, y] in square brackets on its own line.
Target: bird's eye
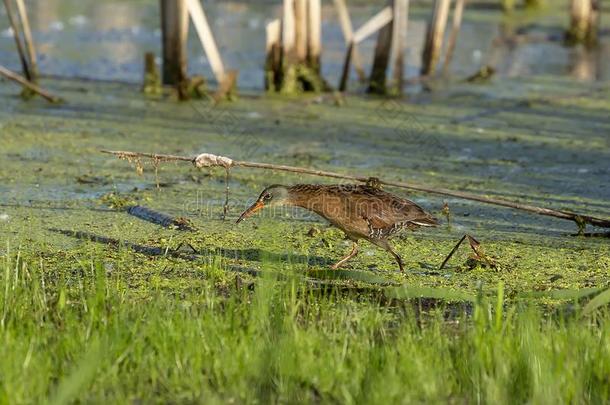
[267, 197]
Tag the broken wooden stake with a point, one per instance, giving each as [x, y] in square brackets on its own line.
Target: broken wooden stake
[273, 61]
[434, 37]
[479, 256]
[174, 29]
[397, 55]
[29, 85]
[458, 12]
[300, 46]
[152, 81]
[28, 40]
[211, 160]
[584, 22]
[17, 35]
[314, 35]
[300, 30]
[346, 63]
[377, 80]
[374, 24]
[348, 35]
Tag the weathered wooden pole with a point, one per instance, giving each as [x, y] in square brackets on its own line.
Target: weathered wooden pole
[400, 18]
[17, 35]
[584, 20]
[458, 11]
[434, 37]
[377, 80]
[377, 22]
[346, 64]
[346, 27]
[152, 81]
[174, 31]
[29, 41]
[300, 45]
[273, 56]
[288, 29]
[314, 34]
[300, 30]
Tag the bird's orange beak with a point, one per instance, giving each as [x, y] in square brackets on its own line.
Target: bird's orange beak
[257, 206]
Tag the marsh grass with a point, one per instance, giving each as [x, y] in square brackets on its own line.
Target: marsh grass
[85, 335]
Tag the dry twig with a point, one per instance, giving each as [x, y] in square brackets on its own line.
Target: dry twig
[211, 160]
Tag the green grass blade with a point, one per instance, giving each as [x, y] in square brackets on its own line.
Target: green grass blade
[598, 301]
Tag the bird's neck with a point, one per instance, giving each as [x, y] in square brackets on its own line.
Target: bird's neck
[307, 196]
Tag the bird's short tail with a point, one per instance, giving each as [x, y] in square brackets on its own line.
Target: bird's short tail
[425, 221]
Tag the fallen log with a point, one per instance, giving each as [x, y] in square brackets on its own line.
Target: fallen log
[211, 160]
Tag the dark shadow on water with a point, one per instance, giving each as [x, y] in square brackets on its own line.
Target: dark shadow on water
[251, 254]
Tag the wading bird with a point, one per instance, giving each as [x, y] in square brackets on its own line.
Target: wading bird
[361, 211]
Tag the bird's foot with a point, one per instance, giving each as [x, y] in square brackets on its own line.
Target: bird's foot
[374, 182]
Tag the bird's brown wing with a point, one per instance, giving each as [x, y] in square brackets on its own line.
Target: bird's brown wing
[385, 213]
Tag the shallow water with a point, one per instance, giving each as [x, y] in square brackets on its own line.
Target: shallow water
[107, 40]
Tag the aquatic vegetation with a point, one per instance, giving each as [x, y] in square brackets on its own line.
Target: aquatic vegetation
[100, 305]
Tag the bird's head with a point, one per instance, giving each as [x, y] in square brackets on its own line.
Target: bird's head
[271, 196]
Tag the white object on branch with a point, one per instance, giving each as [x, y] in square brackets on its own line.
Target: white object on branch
[210, 160]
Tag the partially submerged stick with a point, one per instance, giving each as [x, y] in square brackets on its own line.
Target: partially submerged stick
[210, 160]
[24, 82]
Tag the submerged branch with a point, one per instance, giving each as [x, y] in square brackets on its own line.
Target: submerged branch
[210, 160]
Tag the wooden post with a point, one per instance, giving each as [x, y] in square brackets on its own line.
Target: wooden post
[300, 48]
[377, 22]
[152, 82]
[345, 73]
[400, 18]
[348, 34]
[174, 28]
[29, 42]
[17, 35]
[458, 11]
[314, 35]
[288, 34]
[273, 59]
[434, 37]
[377, 80]
[584, 15]
[300, 30]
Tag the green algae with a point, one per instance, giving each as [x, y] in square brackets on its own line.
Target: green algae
[540, 140]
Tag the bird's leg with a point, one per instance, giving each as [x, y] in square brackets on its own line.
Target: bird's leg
[351, 254]
[398, 259]
[374, 182]
[386, 245]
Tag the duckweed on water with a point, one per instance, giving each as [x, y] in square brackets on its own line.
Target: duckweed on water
[251, 313]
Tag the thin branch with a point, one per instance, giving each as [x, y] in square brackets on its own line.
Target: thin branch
[210, 160]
